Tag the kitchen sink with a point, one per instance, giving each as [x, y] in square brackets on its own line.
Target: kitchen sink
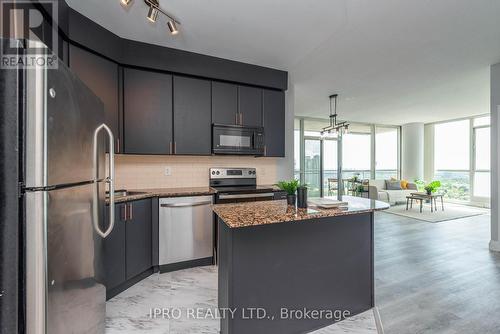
[123, 193]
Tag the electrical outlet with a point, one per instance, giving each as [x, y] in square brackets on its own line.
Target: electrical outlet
[168, 171]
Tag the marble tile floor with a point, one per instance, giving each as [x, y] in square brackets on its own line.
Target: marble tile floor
[130, 311]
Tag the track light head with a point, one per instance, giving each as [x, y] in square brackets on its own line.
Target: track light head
[152, 14]
[172, 27]
[125, 2]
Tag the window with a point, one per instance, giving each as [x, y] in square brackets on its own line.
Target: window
[452, 158]
[386, 153]
[356, 153]
[481, 147]
[451, 150]
[462, 158]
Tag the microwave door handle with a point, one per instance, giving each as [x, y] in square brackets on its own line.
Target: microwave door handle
[110, 180]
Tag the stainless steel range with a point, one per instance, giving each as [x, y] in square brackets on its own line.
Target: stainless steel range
[240, 185]
[234, 185]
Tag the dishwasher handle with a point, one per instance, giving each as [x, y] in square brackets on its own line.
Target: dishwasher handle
[243, 196]
[183, 205]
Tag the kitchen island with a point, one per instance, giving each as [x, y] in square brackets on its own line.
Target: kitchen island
[287, 270]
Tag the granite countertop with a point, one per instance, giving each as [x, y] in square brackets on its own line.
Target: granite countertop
[271, 212]
[164, 192]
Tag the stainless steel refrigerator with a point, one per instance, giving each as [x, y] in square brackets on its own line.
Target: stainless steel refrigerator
[67, 172]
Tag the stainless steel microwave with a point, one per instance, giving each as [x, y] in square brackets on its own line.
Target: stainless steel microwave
[233, 139]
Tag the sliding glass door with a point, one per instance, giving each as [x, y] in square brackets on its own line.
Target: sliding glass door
[330, 166]
[317, 156]
[312, 166]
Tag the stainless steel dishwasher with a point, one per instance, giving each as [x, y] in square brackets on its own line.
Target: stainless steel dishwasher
[185, 229]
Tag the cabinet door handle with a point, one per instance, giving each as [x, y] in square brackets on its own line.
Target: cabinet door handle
[130, 212]
[117, 145]
[236, 118]
[123, 212]
[170, 148]
[175, 147]
[183, 205]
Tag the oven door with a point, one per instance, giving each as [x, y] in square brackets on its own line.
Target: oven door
[224, 198]
[234, 140]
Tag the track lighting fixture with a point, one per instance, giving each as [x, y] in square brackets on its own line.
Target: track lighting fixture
[172, 27]
[152, 14]
[153, 10]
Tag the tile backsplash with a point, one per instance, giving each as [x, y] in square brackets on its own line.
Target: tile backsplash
[144, 171]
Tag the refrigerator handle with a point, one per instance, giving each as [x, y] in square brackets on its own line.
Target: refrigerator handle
[110, 180]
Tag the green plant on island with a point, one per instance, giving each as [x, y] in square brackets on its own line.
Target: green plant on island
[290, 187]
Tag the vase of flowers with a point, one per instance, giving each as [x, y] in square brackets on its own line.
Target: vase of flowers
[290, 187]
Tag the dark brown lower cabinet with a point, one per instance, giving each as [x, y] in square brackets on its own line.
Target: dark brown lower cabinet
[114, 250]
[127, 251]
[138, 238]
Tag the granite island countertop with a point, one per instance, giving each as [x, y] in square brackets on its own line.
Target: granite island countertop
[247, 214]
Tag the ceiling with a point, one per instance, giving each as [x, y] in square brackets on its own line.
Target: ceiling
[391, 61]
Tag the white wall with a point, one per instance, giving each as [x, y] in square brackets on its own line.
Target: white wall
[495, 157]
[412, 159]
[284, 168]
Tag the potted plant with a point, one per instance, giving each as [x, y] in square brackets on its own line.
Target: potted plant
[302, 196]
[420, 184]
[432, 187]
[360, 189]
[290, 187]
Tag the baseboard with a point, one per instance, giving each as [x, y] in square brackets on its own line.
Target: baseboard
[127, 284]
[494, 246]
[378, 321]
[165, 268]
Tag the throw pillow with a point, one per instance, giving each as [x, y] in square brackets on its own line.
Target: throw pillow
[392, 185]
[404, 184]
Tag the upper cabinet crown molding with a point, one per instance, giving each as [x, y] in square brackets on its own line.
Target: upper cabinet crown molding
[83, 31]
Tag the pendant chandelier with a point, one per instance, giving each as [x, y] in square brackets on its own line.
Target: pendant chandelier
[336, 127]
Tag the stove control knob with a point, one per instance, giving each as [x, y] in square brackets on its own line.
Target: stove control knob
[218, 173]
[213, 172]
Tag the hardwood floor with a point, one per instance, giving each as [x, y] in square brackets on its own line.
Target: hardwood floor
[436, 277]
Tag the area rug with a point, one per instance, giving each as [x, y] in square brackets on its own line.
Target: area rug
[451, 212]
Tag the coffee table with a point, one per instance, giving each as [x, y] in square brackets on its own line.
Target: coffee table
[424, 197]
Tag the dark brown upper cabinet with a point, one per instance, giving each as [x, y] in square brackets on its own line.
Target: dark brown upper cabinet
[101, 76]
[192, 116]
[147, 112]
[224, 103]
[250, 106]
[274, 122]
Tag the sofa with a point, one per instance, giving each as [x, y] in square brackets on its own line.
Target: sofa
[377, 189]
